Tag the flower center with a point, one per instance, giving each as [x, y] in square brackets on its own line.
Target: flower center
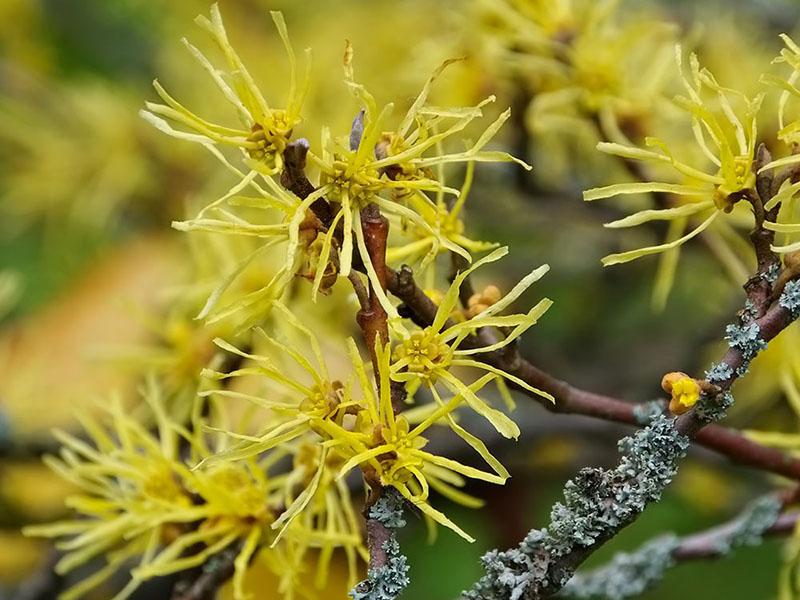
[425, 352]
[360, 185]
[162, 486]
[323, 401]
[270, 138]
[730, 192]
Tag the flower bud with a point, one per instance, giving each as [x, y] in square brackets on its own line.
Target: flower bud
[685, 391]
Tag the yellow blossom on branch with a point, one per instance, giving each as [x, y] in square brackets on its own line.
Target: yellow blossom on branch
[386, 446]
[267, 129]
[727, 141]
[684, 390]
[427, 356]
[390, 168]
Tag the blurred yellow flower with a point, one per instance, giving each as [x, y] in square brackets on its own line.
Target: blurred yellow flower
[139, 501]
[728, 142]
[267, 130]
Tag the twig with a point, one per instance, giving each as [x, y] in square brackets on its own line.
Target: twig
[628, 574]
[573, 400]
[599, 503]
[759, 287]
[214, 574]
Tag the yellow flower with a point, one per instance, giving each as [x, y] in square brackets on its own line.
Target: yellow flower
[386, 446]
[267, 130]
[315, 403]
[684, 390]
[139, 501]
[727, 142]
[789, 134]
[329, 521]
[587, 66]
[390, 168]
[427, 356]
[95, 163]
[393, 169]
[442, 222]
[278, 221]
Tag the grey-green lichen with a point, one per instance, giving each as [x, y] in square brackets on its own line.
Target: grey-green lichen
[749, 312]
[628, 574]
[631, 573]
[719, 373]
[714, 409]
[597, 503]
[747, 340]
[645, 411]
[388, 581]
[772, 273]
[749, 528]
[790, 298]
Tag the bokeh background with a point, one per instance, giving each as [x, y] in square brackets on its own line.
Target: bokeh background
[87, 256]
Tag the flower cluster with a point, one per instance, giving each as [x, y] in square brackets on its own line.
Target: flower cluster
[140, 500]
[586, 66]
[728, 143]
[698, 196]
[258, 420]
[306, 402]
[319, 232]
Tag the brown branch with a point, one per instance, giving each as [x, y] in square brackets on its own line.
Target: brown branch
[706, 544]
[294, 179]
[573, 400]
[372, 319]
[759, 286]
[214, 574]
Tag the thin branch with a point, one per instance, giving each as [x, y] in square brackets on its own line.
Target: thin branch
[214, 573]
[629, 574]
[573, 400]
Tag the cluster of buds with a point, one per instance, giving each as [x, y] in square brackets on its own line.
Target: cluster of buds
[480, 301]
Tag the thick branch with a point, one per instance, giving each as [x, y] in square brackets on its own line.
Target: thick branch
[629, 574]
[599, 503]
